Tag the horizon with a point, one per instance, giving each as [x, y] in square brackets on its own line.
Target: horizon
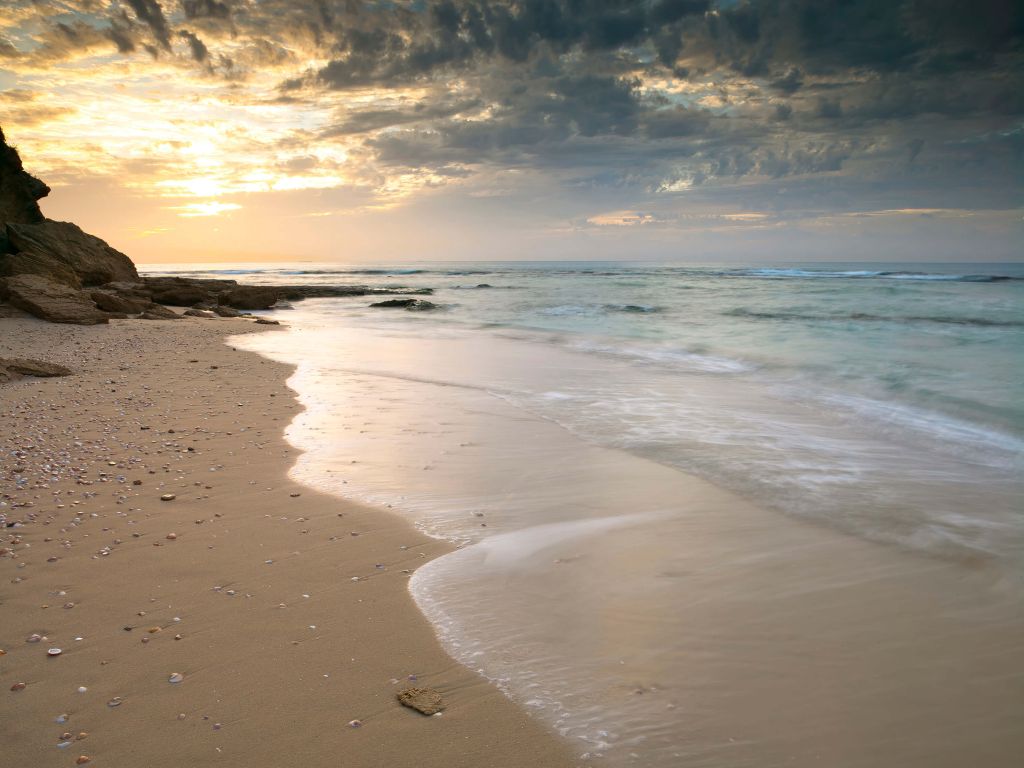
[659, 131]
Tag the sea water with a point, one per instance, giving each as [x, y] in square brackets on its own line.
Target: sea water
[707, 515]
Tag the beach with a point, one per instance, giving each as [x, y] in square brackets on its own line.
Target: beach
[285, 611]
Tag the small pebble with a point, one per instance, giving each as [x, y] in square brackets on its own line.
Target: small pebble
[168, 497]
[54, 652]
[177, 677]
[19, 687]
[115, 702]
[82, 760]
[355, 723]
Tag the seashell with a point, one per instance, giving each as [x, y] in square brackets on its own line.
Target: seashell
[81, 735]
[33, 638]
[18, 687]
[54, 652]
[82, 760]
[82, 689]
[355, 723]
[63, 718]
[171, 536]
[168, 497]
[115, 702]
[153, 630]
[177, 677]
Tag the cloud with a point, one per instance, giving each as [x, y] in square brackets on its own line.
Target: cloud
[627, 103]
[199, 51]
[150, 13]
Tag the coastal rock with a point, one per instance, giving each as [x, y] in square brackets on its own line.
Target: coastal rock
[109, 301]
[26, 367]
[266, 321]
[251, 297]
[198, 313]
[52, 301]
[415, 305]
[19, 190]
[226, 311]
[157, 312]
[63, 252]
[425, 700]
[181, 292]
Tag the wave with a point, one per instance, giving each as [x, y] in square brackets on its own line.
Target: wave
[863, 274]
[868, 317]
[673, 357]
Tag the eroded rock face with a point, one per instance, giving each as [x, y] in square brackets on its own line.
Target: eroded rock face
[61, 251]
[53, 301]
[19, 190]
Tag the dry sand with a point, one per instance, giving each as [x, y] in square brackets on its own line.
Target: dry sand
[286, 610]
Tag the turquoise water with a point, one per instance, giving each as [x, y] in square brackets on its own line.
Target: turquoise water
[887, 400]
[705, 516]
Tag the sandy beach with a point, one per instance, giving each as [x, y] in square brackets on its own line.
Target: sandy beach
[285, 611]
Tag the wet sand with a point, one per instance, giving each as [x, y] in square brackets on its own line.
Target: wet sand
[285, 610]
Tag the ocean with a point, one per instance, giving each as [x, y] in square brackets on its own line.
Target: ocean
[705, 515]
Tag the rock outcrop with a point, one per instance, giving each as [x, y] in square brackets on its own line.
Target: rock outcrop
[53, 301]
[19, 190]
[64, 253]
[14, 368]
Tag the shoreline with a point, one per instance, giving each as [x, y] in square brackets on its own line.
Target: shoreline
[293, 611]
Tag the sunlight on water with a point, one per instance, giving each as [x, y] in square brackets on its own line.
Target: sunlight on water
[561, 427]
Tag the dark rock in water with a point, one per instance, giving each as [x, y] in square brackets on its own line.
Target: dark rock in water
[110, 301]
[266, 321]
[226, 311]
[251, 297]
[63, 252]
[415, 305]
[425, 700]
[157, 312]
[19, 190]
[52, 301]
[484, 285]
[15, 367]
[421, 306]
[199, 313]
[395, 303]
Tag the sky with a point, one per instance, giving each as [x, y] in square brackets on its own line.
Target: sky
[395, 131]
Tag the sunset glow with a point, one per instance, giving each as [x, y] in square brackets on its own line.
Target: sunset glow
[407, 132]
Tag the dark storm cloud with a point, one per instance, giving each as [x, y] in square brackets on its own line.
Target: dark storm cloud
[198, 49]
[375, 119]
[206, 9]
[121, 34]
[150, 13]
[657, 94]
